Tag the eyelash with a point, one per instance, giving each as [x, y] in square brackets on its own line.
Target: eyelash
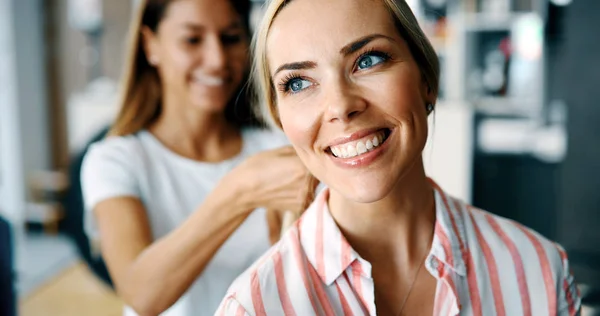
[377, 53]
[193, 40]
[284, 86]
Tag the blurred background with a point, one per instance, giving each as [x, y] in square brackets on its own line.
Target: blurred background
[515, 132]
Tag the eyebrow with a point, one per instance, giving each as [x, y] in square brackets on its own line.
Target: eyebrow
[362, 42]
[296, 66]
[199, 27]
[193, 26]
[346, 50]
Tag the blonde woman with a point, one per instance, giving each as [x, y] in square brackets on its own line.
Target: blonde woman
[172, 193]
[351, 83]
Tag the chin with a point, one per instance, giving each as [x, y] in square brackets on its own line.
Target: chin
[210, 105]
[215, 99]
[363, 191]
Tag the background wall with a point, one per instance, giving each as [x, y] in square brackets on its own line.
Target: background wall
[576, 78]
[66, 48]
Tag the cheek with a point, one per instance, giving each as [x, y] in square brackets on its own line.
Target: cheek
[402, 97]
[179, 65]
[299, 123]
[302, 139]
[410, 110]
[294, 127]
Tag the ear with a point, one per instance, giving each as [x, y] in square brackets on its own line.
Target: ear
[150, 44]
[428, 95]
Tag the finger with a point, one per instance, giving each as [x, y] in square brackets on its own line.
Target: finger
[274, 222]
[286, 150]
[311, 186]
[313, 183]
[288, 220]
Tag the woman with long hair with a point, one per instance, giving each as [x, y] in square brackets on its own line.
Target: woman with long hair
[177, 194]
[351, 83]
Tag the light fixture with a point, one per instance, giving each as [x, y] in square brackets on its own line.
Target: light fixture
[561, 3]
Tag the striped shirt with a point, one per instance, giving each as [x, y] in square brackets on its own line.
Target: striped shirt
[484, 265]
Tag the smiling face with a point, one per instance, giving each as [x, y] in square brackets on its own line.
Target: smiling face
[349, 94]
[200, 51]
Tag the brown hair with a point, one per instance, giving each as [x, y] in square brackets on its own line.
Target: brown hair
[140, 101]
[405, 21]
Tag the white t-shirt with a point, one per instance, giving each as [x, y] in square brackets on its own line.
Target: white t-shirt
[171, 188]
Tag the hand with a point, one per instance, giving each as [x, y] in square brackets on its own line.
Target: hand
[275, 222]
[276, 180]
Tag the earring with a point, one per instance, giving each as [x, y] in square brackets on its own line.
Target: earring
[429, 107]
[153, 60]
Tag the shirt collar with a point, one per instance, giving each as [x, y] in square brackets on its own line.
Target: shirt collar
[330, 253]
[326, 248]
[449, 240]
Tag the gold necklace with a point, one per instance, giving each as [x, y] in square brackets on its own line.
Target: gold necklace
[412, 284]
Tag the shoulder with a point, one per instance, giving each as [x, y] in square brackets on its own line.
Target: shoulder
[257, 287]
[111, 168]
[115, 146]
[265, 138]
[516, 241]
[111, 163]
[539, 261]
[114, 150]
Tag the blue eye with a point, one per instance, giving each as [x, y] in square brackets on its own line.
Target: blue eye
[369, 60]
[297, 84]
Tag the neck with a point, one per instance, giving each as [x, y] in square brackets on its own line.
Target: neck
[397, 227]
[196, 134]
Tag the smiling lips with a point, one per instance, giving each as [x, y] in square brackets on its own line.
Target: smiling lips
[208, 80]
[360, 146]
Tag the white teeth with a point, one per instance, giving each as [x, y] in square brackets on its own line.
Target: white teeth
[375, 141]
[357, 148]
[351, 151]
[209, 80]
[369, 145]
[335, 151]
[344, 153]
[360, 148]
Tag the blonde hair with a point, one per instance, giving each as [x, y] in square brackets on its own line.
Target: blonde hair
[406, 23]
[141, 91]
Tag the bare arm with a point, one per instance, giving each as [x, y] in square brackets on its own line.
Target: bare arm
[152, 275]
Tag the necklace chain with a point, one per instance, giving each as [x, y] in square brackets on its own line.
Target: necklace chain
[422, 263]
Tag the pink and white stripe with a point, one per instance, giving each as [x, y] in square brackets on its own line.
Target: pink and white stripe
[484, 264]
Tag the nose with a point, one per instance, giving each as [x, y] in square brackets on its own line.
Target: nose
[343, 102]
[215, 55]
